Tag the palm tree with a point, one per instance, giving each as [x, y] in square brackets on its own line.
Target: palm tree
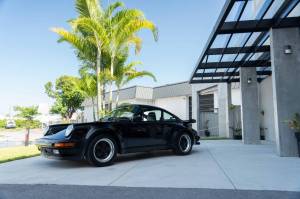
[87, 85]
[27, 113]
[123, 29]
[125, 73]
[89, 37]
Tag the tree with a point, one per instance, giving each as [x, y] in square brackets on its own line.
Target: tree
[100, 33]
[88, 30]
[87, 85]
[28, 114]
[125, 73]
[123, 28]
[68, 98]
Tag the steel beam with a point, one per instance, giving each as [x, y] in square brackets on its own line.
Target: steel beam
[235, 50]
[215, 65]
[220, 74]
[254, 26]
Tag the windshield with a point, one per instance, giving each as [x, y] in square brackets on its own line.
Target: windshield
[125, 112]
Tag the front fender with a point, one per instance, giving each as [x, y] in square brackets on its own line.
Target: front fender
[94, 131]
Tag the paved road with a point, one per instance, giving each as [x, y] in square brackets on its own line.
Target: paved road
[9, 138]
[90, 192]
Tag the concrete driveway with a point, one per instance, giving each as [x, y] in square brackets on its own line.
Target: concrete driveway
[213, 164]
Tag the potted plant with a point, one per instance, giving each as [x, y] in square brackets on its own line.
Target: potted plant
[237, 133]
[206, 131]
[262, 132]
[294, 125]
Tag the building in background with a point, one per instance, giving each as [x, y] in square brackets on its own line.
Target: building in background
[175, 98]
[256, 44]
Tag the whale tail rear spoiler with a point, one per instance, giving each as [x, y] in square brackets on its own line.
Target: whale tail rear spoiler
[190, 121]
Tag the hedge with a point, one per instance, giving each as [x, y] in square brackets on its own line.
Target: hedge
[22, 123]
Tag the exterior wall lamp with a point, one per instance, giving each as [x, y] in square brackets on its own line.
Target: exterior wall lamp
[288, 49]
[249, 80]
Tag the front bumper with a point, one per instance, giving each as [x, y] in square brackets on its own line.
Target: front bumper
[48, 150]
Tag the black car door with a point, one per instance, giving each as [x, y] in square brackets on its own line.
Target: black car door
[144, 130]
[169, 124]
[151, 120]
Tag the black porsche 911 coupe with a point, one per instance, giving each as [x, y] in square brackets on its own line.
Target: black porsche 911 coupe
[127, 129]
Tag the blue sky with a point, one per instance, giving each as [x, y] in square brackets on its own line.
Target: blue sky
[30, 55]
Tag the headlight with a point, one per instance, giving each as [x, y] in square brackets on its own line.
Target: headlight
[69, 130]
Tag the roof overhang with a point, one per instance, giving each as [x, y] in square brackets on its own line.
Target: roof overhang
[241, 38]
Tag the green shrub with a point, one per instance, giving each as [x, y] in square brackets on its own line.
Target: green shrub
[23, 124]
[2, 123]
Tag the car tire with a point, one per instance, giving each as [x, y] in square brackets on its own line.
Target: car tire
[183, 144]
[102, 151]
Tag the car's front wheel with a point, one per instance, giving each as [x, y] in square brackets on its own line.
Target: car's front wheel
[183, 144]
[102, 151]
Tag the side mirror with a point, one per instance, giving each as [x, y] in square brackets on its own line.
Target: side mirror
[192, 121]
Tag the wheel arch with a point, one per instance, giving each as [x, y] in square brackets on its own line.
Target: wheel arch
[180, 132]
[101, 131]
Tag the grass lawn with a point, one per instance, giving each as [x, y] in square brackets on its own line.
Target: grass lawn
[19, 152]
[11, 130]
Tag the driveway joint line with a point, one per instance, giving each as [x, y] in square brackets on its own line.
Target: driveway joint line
[222, 169]
[119, 177]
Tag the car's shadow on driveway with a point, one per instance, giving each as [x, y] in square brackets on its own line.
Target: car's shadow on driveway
[121, 159]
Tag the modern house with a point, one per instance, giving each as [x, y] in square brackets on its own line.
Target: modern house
[255, 43]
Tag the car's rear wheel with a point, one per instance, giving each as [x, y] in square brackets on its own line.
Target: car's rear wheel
[102, 151]
[183, 144]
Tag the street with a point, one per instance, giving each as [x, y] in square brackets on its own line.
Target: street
[9, 138]
[90, 192]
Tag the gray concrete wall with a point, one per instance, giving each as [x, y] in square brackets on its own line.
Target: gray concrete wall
[267, 107]
[249, 106]
[225, 118]
[286, 86]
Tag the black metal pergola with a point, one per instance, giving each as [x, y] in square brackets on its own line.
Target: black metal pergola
[241, 38]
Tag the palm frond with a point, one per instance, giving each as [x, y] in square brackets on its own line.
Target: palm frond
[92, 25]
[112, 7]
[86, 46]
[137, 42]
[89, 8]
[137, 74]
[121, 18]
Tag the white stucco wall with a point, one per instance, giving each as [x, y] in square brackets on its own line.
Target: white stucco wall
[267, 106]
[175, 105]
[236, 96]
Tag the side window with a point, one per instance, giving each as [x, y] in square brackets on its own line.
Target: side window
[124, 112]
[168, 117]
[151, 115]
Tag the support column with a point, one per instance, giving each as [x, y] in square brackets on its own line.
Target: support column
[249, 106]
[224, 113]
[286, 86]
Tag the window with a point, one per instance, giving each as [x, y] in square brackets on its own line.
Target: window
[151, 115]
[121, 112]
[206, 103]
[168, 117]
